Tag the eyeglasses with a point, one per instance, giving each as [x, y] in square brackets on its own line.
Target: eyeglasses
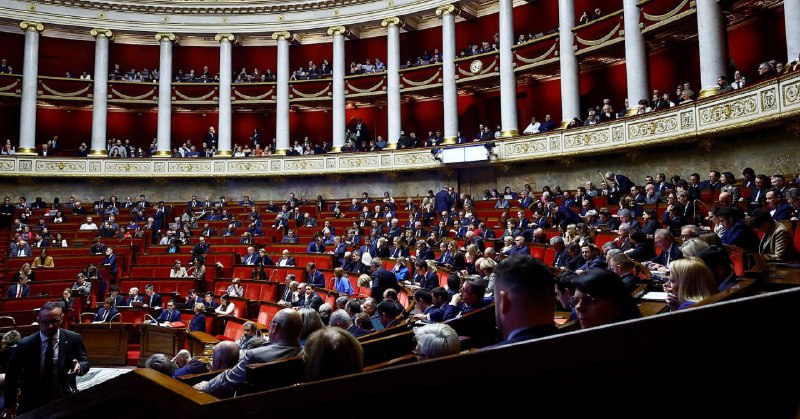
[52, 321]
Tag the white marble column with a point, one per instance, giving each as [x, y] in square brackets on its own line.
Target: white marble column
[635, 56]
[30, 86]
[449, 89]
[508, 81]
[225, 78]
[339, 123]
[570, 84]
[393, 111]
[100, 93]
[713, 54]
[164, 140]
[791, 14]
[282, 95]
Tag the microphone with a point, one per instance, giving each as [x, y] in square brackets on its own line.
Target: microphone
[154, 321]
[116, 315]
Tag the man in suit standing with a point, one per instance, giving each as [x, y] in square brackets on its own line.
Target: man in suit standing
[19, 290]
[443, 201]
[381, 280]
[110, 262]
[44, 365]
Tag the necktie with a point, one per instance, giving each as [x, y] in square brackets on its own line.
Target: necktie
[21, 253]
[105, 315]
[47, 373]
[667, 258]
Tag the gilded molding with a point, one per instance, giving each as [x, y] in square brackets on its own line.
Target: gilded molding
[447, 9]
[224, 36]
[101, 32]
[31, 26]
[391, 21]
[166, 37]
[282, 35]
[700, 122]
[337, 30]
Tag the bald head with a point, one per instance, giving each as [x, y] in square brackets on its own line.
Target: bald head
[285, 327]
[225, 355]
[725, 199]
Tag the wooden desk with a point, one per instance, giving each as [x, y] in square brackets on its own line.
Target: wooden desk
[199, 341]
[651, 308]
[106, 343]
[158, 339]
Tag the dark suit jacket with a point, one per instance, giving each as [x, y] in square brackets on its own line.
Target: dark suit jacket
[674, 254]
[166, 317]
[198, 323]
[381, 281]
[23, 369]
[530, 333]
[317, 279]
[156, 300]
[313, 302]
[782, 212]
[289, 262]
[12, 291]
[102, 313]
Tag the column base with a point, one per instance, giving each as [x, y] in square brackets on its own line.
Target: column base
[223, 154]
[391, 146]
[631, 111]
[280, 152]
[163, 153]
[26, 151]
[449, 140]
[708, 92]
[564, 124]
[98, 152]
[335, 150]
[506, 133]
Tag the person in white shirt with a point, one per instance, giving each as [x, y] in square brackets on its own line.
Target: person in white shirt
[533, 127]
[88, 225]
[225, 307]
[177, 270]
[235, 289]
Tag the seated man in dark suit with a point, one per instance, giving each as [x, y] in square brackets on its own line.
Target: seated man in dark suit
[19, 290]
[342, 320]
[524, 294]
[309, 299]
[284, 337]
[313, 276]
[381, 280]
[107, 312]
[152, 299]
[593, 257]
[470, 299]
[170, 314]
[669, 249]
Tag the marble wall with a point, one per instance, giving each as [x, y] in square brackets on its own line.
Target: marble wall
[773, 150]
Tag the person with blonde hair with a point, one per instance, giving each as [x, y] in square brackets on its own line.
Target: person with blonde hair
[690, 281]
[331, 352]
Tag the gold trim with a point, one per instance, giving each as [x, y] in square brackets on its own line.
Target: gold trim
[151, 92]
[246, 97]
[367, 90]
[391, 21]
[280, 152]
[26, 25]
[224, 36]
[708, 92]
[26, 151]
[447, 9]
[539, 58]
[165, 37]
[423, 83]
[312, 95]
[163, 153]
[602, 40]
[506, 133]
[337, 30]
[284, 35]
[62, 94]
[596, 21]
[101, 32]
[390, 146]
[335, 150]
[10, 86]
[449, 140]
[223, 153]
[98, 152]
[204, 97]
[631, 111]
[665, 16]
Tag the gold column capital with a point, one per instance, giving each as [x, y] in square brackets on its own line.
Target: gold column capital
[31, 26]
[166, 37]
[284, 35]
[225, 36]
[95, 32]
[391, 21]
[447, 9]
[337, 30]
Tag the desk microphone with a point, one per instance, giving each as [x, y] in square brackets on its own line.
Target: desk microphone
[151, 318]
